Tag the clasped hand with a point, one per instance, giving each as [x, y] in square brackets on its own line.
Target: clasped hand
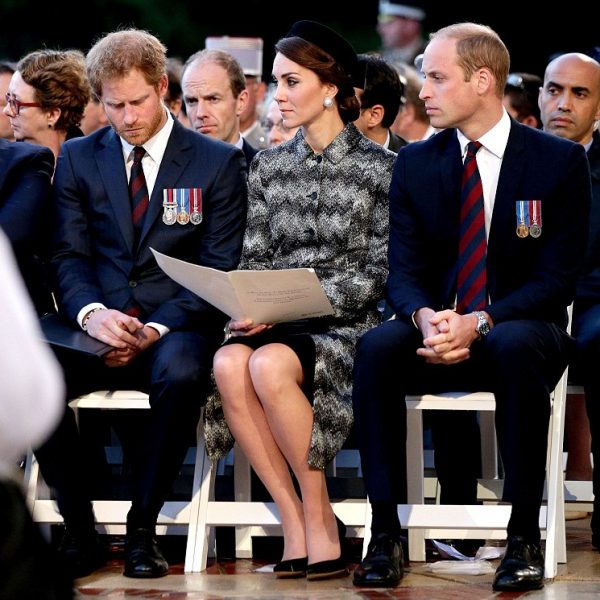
[246, 327]
[128, 335]
[447, 336]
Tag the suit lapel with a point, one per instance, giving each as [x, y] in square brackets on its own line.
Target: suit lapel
[450, 177]
[450, 170]
[112, 171]
[172, 166]
[509, 182]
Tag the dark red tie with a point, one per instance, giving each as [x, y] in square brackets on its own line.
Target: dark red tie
[138, 191]
[471, 289]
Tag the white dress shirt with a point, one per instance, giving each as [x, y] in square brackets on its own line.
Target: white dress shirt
[489, 162]
[155, 150]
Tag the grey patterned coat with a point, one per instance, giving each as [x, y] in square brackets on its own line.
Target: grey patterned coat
[328, 212]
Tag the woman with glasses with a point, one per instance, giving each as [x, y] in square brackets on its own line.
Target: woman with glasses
[277, 131]
[47, 96]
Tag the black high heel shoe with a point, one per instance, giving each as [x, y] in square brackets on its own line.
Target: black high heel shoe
[330, 569]
[292, 568]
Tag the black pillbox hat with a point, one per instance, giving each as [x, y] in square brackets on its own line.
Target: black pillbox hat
[331, 42]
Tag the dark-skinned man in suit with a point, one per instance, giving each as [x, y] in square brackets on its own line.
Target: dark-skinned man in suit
[570, 108]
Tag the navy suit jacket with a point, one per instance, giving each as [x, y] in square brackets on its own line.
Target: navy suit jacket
[249, 152]
[588, 287]
[528, 278]
[25, 201]
[95, 258]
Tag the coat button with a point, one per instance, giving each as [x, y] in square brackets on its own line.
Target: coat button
[133, 283]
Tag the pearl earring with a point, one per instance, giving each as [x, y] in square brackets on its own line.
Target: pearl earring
[327, 102]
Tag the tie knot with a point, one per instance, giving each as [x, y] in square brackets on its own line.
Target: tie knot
[472, 148]
[138, 153]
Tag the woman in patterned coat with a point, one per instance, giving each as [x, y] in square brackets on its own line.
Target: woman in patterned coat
[320, 201]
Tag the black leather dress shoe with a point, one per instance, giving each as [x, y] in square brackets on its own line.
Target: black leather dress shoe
[383, 566]
[522, 567]
[143, 559]
[81, 552]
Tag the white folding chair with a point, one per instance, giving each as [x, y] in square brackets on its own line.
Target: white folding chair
[426, 521]
[175, 516]
[253, 518]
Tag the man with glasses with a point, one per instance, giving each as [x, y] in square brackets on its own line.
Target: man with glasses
[570, 108]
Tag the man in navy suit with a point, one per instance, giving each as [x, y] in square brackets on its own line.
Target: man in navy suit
[25, 199]
[570, 108]
[108, 282]
[536, 197]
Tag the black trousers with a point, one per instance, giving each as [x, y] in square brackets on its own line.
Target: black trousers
[175, 372]
[520, 361]
[586, 329]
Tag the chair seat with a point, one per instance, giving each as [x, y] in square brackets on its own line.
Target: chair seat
[174, 517]
[487, 520]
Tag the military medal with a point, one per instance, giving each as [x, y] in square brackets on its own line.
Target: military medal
[196, 216]
[183, 216]
[169, 208]
[522, 218]
[535, 229]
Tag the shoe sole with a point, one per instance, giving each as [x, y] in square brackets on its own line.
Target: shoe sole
[523, 587]
[377, 584]
[145, 575]
[290, 574]
[328, 575]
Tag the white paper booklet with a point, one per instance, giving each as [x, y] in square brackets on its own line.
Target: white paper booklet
[263, 296]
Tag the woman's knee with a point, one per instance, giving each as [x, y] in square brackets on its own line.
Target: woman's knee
[230, 363]
[274, 367]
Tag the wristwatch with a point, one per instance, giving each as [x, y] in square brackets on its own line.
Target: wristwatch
[483, 327]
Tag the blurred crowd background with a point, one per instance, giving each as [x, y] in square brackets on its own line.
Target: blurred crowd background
[532, 35]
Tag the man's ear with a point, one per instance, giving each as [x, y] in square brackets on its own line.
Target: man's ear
[242, 102]
[530, 120]
[485, 80]
[376, 115]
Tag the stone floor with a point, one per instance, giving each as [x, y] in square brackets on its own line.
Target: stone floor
[579, 579]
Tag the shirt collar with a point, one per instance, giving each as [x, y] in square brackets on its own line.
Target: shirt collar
[240, 143]
[386, 145]
[156, 145]
[494, 140]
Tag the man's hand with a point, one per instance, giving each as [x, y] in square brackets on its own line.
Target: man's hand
[115, 328]
[119, 357]
[447, 337]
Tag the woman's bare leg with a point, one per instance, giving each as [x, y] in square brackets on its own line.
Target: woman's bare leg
[246, 419]
[277, 376]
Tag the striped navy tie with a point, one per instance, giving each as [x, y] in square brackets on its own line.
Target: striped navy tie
[138, 191]
[471, 289]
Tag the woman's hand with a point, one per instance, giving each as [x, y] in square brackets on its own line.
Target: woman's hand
[245, 327]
